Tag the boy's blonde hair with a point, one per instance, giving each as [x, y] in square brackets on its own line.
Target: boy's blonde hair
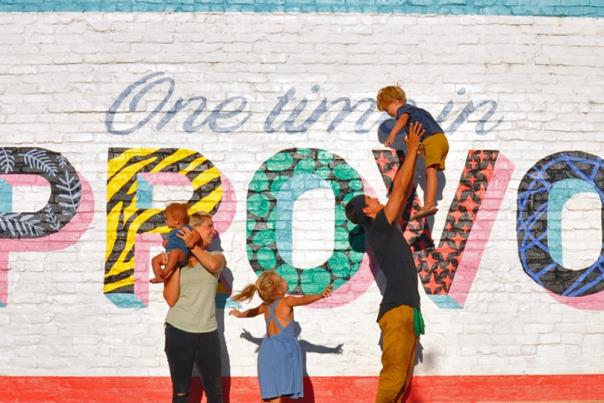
[389, 94]
[178, 211]
[267, 287]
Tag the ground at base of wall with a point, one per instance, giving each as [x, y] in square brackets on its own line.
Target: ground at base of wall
[425, 389]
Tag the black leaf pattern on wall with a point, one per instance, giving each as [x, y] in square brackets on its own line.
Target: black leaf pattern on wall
[65, 192]
[21, 225]
[52, 218]
[70, 199]
[62, 161]
[39, 160]
[7, 161]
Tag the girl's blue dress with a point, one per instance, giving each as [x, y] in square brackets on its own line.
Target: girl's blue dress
[280, 361]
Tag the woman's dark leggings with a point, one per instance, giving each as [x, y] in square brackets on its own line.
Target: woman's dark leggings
[182, 349]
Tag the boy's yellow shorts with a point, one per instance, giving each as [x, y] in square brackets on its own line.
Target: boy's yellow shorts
[436, 148]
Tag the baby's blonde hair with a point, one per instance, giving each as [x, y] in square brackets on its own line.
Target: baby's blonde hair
[389, 94]
[267, 287]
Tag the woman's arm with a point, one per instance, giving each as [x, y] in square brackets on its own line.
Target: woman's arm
[307, 299]
[172, 288]
[213, 262]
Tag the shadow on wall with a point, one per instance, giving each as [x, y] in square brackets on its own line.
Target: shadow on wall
[420, 179]
[196, 391]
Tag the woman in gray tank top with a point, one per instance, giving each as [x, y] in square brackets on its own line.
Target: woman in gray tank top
[191, 330]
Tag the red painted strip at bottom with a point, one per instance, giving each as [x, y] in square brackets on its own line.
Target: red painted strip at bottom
[425, 389]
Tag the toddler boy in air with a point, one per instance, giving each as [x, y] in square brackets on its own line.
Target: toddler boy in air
[434, 144]
[178, 254]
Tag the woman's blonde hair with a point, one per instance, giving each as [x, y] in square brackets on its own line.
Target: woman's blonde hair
[267, 287]
[389, 94]
[198, 218]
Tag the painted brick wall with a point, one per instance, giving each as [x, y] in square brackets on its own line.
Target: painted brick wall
[279, 106]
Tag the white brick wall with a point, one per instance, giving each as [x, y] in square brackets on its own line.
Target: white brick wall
[60, 73]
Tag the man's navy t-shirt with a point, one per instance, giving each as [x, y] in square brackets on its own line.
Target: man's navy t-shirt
[394, 257]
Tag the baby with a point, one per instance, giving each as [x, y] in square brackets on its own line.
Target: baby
[177, 252]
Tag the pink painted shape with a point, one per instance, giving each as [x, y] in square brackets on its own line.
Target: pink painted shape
[594, 302]
[142, 263]
[359, 283]
[25, 180]
[228, 206]
[144, 242]
[224, 217]
[226, 212]
[67, 236]
[481, 230]
[3, 278]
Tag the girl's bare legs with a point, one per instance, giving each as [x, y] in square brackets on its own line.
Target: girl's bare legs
[429, 207]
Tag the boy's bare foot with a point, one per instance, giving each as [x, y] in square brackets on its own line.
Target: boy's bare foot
[425, 212]
[156, 280]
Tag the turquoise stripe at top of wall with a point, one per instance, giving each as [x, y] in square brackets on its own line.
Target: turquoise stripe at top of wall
[564, 8]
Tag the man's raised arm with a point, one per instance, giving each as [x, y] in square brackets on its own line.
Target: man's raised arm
[403, 181]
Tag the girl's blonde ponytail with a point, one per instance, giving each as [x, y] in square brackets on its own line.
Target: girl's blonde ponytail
[246, 294]
[267, 287]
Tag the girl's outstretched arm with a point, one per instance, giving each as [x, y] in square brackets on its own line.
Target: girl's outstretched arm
[307, 299]
[250, 313]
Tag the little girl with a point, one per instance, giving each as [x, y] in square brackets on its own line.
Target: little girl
[279, 358]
